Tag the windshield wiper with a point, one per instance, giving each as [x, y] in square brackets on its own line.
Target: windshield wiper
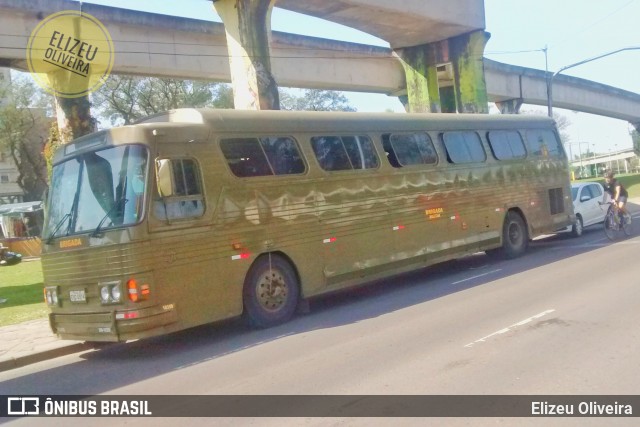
[96, 233]
[66, 216]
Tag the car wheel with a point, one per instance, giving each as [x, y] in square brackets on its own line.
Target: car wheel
[577, 229]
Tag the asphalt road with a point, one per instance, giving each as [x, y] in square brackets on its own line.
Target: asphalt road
[560, 320]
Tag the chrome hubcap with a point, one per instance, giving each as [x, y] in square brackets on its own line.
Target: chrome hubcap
[272, 290]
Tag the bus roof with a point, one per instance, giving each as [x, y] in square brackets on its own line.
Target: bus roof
[222, 120]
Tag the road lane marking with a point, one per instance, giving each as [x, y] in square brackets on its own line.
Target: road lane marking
[509, 328]
[475, 277]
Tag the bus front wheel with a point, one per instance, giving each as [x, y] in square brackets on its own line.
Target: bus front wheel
[271, 292]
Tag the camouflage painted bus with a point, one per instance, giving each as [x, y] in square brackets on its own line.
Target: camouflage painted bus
[193, 216]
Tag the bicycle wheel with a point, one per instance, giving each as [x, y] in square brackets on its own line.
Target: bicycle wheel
[610, 226]
[627, 226]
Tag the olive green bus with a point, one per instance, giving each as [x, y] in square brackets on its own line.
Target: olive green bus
[195, 215]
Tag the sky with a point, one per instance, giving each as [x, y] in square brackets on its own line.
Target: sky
[571, 31]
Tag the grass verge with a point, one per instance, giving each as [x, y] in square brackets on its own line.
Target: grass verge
[21, 286]
[630, 181]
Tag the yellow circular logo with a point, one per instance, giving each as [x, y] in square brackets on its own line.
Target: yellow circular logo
[70, 54]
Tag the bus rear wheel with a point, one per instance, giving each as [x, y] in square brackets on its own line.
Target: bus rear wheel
[271, 292]
[515, 238]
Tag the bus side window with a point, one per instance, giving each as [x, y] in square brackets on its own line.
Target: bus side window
[179, 184]
[544, 143]
[264, 156]
[506, 144]
[180, 190]
[361, 152]
[410, 149]
[336, 153]
[283, 155]
[464, 147]
[391, 154]
[330, 153]
[245, 157]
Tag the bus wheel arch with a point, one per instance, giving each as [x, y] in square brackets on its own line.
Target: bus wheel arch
[515, 234]
[271, 290]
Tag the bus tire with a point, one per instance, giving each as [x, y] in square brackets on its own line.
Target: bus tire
[270, 292]
[515, 237]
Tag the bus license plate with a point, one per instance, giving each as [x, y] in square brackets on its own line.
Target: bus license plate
[77, 296]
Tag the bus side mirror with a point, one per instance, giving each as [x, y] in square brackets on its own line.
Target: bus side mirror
[163, 177]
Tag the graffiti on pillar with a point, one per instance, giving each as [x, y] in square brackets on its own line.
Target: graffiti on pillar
[468, 68]
[422, 79]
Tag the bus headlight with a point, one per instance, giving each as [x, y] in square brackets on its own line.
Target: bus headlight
[51, 296]
[116, 294]
[110, 292]
[104, 294]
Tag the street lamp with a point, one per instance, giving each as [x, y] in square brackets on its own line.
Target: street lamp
[617, 164]
[550, 79]
[595, 164]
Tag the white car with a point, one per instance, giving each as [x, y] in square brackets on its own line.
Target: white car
[586, 197]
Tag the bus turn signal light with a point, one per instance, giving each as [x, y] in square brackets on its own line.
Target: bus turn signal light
[137, 293]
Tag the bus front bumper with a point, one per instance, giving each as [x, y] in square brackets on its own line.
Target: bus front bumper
[114, 326]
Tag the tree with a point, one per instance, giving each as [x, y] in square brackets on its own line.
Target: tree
[23, 133]
[315, 100]
[562, 123]
[125, 99]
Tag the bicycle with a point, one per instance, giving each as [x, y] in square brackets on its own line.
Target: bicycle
[615, 221]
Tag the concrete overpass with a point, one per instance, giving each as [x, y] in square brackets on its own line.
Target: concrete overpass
[619, 161]
[159, 45]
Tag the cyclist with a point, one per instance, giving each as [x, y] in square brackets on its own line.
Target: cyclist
[618, 193]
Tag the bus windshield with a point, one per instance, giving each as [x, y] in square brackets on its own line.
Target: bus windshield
[97, 190]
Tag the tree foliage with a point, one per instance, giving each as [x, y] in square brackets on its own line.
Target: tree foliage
[124, 99]
[562, 123]
[315, 100]
[23, 133]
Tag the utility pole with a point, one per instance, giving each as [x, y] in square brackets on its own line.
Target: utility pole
[550, 79]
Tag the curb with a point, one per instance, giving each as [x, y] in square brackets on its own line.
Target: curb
[17, 362]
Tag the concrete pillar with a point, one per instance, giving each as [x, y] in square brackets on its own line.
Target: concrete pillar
[635, 137]
[73, 114]
[404, 100]
[466, 52]
[510, 106]
[74, 118]
[448, 99]
[248, 27]
[421, 73]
